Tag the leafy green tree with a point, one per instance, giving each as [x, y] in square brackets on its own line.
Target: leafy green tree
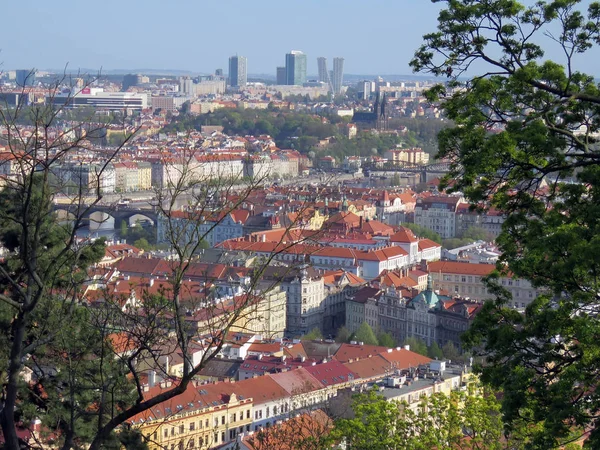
[434, 351]
[450, 351]
[477, 234]
[416, 345]
[421, 231]
[371, 427]
[41, 277]
[386, 340]
[315, 333]
[142, 244]
[540, 167]
[342, 335]
[459, 420]
[365, 334]
[123, 229]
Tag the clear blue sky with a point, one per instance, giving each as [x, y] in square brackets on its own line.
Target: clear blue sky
[374, 37]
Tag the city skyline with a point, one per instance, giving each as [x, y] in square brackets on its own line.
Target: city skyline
[125, 41]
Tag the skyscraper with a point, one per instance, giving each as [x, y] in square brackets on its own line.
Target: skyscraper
[295, 68]
[238, 71]
[338, 75]
[281, 77]
[322, 65]
[25, 77]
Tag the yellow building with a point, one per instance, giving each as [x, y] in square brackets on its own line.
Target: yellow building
[204, 416]
[144, 176]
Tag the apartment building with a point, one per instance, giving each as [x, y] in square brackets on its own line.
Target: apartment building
[204, 416]
[338, 285]
[413, 156]
[126, 177]
[466, 280]
[144, 175]
[438, 213]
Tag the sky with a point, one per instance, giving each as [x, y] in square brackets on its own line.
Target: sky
[376, 37]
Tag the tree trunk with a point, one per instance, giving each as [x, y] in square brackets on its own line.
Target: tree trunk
[7, 417]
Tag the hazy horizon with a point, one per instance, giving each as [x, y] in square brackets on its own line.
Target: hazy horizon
[377, 38]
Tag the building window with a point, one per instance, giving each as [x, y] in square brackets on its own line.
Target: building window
[192, 426]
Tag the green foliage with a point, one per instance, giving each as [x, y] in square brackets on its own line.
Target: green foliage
[546, 179]
[459, 420]
[142, 244]
[342, 335]
[434, 351]
[144, 235]
[365, 334]
[422, 132]
[315, 333]
[477, 234]
[290, 129]
[421, 231]
[386, 340]
[450, 351]
[42, 278]
[416, 345]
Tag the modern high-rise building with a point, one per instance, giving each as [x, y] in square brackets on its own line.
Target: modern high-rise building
[281, 76]
[130, 80]
[238, 71]
[295, 68]
[25, 77]
[323, 73]
[337, 75]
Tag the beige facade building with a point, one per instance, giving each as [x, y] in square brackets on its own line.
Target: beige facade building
[144, 176]
[466, 280]
[203, 417]
[407, 156]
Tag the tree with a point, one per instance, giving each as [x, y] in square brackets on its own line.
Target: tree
[386, 340]
[416, 345]
[365, 334]
[342, 335]
[421, 231]
[313, 334]
[449, 351]
[371, 426]
[142, 244]
[41, 277]
[462, 420]
[434, 351]
[525, 143]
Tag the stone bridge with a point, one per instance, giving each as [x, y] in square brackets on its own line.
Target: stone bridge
[422, 169]
[119, 213]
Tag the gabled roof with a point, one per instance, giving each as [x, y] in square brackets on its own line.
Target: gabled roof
[427, 243]
[462, 268]
[404, 235]
[297, 381]
[404, 359]
[348, 352]
[331, 373]
[369, 367]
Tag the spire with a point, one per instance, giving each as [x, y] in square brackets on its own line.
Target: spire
[429, 282]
